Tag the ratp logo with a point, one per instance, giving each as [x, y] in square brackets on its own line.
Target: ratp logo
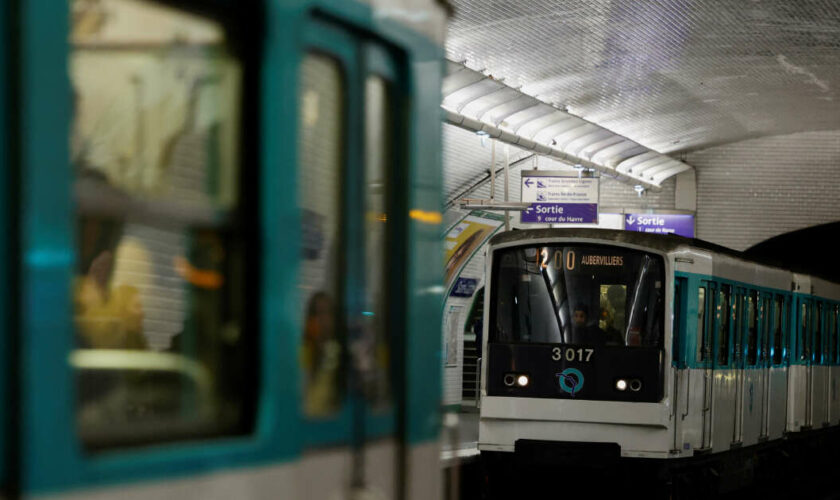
[570, 380]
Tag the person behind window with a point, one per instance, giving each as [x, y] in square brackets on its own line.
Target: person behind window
[586, 331]
[321, 356]
[108, 319]
[612, 336]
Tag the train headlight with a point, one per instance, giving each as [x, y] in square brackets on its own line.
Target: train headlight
[510, 379]
[522, 380]
[621, 384]
[635, 385]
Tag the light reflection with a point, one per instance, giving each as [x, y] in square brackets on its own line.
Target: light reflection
[426, 217]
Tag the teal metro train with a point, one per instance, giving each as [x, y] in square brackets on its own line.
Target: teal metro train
[692, 362]
[216, 217]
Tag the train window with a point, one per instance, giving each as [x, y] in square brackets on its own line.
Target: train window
[752, 328]
[320, 146]
[612, 299]
[765, 312]
[723, 316]
[159, 312]
[818, 327]
[554, 295]
[740, 339]
[831, 335]
[777, 348]
[701, 324]
[835, 315]
[828, 335]
[678, 331]
[377, 155]
[804, 337]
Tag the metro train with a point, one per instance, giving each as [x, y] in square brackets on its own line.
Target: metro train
[200, 199]
[653, 353]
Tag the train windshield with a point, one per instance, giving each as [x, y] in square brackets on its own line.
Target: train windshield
[588, 295]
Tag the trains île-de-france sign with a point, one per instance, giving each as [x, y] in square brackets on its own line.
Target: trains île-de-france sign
[556, 198]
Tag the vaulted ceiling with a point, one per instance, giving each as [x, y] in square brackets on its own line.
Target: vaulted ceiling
[671, 75]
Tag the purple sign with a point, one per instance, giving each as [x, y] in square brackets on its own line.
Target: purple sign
[464, 287]
[558, 213]
[679, 224]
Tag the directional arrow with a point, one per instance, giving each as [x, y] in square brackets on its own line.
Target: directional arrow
[529, 182]
[631, 220]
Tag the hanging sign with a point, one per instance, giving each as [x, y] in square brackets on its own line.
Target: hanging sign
[679, 224]
[559, 199]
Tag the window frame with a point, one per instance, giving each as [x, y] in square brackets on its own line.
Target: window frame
[236, 225]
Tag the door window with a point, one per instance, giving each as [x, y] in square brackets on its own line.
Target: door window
[723, 314]
[321, 153]
[163, 334]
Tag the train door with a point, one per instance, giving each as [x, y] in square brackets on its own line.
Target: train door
[379, 345]
[765, 329]
[834, 372]
[819, 370]
[703, 357]
[681, 374]
[778, 370]
[350, 96]
[724, 381]
[739, 340]
[6, 247]
[804, 349]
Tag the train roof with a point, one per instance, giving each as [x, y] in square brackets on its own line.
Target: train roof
[669, 242]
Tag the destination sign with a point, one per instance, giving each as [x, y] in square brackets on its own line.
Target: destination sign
[544, 259]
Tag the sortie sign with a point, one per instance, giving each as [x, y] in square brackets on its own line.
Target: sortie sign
[559, 199]
[679, 224]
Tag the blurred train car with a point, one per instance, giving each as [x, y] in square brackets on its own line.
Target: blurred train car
[666, 359]
[199, 203]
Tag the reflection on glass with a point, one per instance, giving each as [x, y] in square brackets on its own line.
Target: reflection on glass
[320, 149]
[159, 273]
[375, 358]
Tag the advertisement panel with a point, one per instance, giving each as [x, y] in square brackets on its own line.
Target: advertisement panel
[466, 237]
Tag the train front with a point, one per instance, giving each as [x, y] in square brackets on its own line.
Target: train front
[574, 363]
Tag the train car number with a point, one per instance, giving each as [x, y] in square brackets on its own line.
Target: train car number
[571, 354]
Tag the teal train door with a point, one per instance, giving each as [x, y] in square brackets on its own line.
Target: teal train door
[351, 194]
